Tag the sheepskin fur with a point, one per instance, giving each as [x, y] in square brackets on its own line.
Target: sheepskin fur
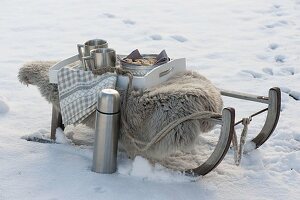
[149, 111]
[36, 73]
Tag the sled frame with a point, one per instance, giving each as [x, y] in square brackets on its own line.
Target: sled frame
[227, 123]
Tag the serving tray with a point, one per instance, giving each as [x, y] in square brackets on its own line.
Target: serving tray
[152, 78]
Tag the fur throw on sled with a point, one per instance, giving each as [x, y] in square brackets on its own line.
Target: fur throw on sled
[149, 111]
[36, 73]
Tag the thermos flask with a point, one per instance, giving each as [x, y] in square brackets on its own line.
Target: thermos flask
[107, 131]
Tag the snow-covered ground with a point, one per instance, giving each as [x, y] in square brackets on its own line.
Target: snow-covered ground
[247, 46]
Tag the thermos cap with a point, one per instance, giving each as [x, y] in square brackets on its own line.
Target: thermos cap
[109, 101]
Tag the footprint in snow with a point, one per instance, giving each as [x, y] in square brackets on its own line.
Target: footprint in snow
[253, 74]
[273, 46]
[280, 58]
[284, 71]
[275, 9]
[276, 24]
[109, 15]
[128, 21]
[288, 71]
[292, 93]
[4, 108]
[278, 11]
[268, 70]
[99, 190]
[156, 37]
[295, 95]
[179, 38]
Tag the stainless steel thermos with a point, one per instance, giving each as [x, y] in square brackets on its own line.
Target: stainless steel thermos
[107, 131]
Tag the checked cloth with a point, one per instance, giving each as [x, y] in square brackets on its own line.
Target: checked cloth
[78, 93]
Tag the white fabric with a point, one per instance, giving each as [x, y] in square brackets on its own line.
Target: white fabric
[78, 92]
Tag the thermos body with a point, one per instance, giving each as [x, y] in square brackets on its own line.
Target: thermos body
[106, 132]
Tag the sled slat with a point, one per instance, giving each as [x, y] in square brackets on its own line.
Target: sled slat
[244, 96]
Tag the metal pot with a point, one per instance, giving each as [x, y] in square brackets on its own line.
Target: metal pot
[140, 70]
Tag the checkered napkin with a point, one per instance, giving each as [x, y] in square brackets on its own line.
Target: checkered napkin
[78, 92]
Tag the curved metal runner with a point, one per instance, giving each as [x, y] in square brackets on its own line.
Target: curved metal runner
[272, 117]
[228, 123]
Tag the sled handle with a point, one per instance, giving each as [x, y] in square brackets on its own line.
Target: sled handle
[244, 96]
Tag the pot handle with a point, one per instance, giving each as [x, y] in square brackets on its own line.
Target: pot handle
[80, 53]
[88, 63]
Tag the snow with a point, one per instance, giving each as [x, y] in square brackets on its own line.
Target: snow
[248, 46]
[40, 135]
[4, 108]
[142, 169]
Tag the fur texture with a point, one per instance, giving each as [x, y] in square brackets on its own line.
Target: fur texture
[36, 73]
[150, 111]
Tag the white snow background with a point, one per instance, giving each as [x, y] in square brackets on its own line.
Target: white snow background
[248, 46]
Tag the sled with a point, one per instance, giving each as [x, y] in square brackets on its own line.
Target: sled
[227, 121]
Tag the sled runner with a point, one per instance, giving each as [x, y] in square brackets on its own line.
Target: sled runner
[227, 123]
